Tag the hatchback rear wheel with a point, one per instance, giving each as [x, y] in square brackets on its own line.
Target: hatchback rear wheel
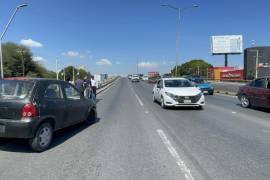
[245, 102]
[43, 138]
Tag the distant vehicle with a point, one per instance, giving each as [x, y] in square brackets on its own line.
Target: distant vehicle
[206, 87]
[153, 79]
[135, 78]
[177, 92]
[153, 76]
[166, 76]
[256, 93]
[129, 76]
[34, 108]
[145, 78]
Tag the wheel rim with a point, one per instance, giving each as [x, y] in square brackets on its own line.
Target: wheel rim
[162, 103]
[45, 136]
[245, 101]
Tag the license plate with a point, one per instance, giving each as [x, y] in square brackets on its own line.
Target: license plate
[187, 101]
[205, 92]
[2, 129]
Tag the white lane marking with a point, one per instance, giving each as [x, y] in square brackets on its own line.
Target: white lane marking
[139, 100]
[234, 112]
[175, 155]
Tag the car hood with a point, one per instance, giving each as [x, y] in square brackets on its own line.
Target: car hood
[185, 91]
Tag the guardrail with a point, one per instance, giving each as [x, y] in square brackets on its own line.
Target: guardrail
[104, 85]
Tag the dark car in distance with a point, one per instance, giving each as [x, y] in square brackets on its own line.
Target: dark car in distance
[256, 93]
[34, 108]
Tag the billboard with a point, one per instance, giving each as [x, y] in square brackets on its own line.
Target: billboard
[229, 44]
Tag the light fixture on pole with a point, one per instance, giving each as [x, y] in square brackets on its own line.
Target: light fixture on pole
[180, 11]
[2, 36]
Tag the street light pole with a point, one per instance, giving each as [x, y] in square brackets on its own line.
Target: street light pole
[179, 11]
[2, 36]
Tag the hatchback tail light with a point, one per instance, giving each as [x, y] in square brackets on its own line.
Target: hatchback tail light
[29, 110]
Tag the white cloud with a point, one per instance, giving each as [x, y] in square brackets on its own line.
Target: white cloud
[31, 43]
[147, 64]
[71, 54]
[117, 62]
[39, 59]
[104, 62]
[77, 54]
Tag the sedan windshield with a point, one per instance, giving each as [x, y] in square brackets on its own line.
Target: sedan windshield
[198, 81]
[14, 89]
[178, 83]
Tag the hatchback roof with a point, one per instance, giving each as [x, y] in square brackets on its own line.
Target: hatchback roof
[30, 79]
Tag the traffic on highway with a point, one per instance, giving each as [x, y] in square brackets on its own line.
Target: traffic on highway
[134, 90]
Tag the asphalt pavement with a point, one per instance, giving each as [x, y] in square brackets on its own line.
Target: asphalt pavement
[136, 139]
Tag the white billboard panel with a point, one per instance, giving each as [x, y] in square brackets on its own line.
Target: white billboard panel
[229, 44]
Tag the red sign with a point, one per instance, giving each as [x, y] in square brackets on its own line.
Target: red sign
[232, 75]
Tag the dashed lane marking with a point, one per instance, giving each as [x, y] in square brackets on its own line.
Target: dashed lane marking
[139, 100]
[175, 155]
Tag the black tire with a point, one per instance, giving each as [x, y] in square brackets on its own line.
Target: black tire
[154, 99]
[245, 102]
[200, 107]
[43, 138]
[92, 118]
[211, 93]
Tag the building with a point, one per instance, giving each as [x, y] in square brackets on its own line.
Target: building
[225, 73]
[263, 64]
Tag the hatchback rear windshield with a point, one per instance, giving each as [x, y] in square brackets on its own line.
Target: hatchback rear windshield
[10, 89]
[178, 83]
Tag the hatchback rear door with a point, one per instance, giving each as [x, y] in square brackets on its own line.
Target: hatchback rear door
[13, 95]
[52, 103]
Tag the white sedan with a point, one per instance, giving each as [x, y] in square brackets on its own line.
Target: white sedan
[177, 92]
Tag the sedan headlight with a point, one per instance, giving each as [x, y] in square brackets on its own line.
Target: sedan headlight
[171, 95]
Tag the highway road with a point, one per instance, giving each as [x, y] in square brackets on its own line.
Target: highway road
[136, 139]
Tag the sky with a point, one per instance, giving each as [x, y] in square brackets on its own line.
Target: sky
[112, 36]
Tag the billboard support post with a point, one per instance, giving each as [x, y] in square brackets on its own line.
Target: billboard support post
[226, 60]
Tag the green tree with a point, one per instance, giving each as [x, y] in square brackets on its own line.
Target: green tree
[193, 67]
[15, 57]
[69, 73]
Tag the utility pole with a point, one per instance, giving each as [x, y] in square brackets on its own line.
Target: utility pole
[137, 67]
[64, 74]
[179, 13]
[73, 74]
[257, 62]
[56, 68]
